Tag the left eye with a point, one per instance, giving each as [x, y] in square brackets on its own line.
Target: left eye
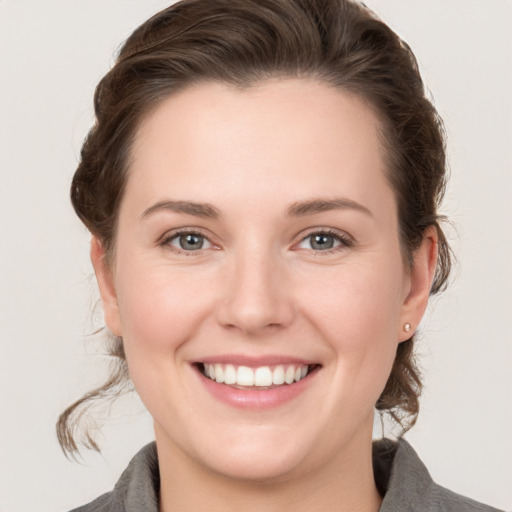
[189, 242]
[321, 242]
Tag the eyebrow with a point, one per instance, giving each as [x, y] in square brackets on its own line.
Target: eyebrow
[312, 206]
[198, 209]
[297, 209]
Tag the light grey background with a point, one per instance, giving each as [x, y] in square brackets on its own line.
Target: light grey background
[52, 53]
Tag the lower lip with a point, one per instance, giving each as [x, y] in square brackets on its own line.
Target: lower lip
[257, 398]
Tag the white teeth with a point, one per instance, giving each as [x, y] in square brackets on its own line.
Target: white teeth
[289, 376]
[219, 373]
[230, 374]
[262, 376]
[245, 376]
[278, 375]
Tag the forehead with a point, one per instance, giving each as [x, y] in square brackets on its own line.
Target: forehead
[278, 138]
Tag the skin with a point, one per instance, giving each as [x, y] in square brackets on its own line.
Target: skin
[259, 288]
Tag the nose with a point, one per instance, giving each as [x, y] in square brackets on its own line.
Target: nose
[256, 299]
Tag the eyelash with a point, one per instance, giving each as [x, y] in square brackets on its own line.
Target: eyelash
[344, 241]
[166, 240]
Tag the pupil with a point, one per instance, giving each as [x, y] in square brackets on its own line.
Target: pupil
[191, 242]
[322, 242]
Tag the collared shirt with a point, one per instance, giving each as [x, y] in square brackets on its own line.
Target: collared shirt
[401, 478]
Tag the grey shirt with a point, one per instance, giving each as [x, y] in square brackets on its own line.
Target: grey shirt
[400, 476]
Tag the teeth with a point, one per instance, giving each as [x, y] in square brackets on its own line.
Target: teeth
[244, 376]
[262, 376]
[289, 376]
[219, 373]
[230, 374]
[278, 375]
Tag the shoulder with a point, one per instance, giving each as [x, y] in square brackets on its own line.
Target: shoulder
[102, 504]
[137, 489]
[407, 485]
[444, 500]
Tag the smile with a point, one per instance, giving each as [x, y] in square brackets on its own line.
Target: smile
[252, 384]
[262, 377]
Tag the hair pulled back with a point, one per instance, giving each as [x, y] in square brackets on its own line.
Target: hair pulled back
[242, 42]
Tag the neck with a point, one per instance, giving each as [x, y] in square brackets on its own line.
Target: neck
[344, 484]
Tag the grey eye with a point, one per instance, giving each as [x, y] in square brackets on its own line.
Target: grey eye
[320, 242]
[190, 242]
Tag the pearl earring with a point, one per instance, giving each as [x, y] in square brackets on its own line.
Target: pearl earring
[407, 327]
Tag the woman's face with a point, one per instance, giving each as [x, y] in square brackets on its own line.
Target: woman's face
[258, 246]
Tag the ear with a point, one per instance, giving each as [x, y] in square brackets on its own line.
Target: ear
[105, 279]
[420, 281]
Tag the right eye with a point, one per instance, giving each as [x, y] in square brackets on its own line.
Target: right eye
[188, 242]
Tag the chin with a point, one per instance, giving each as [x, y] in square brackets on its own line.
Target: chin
[257, 464]
[257, 452]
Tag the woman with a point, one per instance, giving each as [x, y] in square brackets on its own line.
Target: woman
[262, 187]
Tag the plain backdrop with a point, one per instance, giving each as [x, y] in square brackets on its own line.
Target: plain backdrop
[52, 54]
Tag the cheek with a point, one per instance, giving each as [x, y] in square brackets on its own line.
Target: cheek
[358, 299]
[161, 310]
[160, 307]
[358, 313]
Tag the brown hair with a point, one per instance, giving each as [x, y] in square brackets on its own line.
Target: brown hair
[241, 42]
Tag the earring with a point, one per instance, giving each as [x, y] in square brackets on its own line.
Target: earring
[407, 327]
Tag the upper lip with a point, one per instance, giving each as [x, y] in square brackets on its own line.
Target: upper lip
[254, 361]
